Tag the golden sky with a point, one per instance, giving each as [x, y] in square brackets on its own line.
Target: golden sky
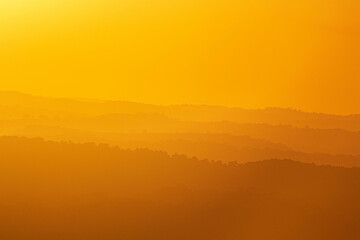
[287, 53]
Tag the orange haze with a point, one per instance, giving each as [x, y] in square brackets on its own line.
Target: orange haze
[301, 54]
[179, 119]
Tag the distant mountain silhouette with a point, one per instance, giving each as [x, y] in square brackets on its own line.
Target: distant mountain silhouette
[69, 191]
[273, 116]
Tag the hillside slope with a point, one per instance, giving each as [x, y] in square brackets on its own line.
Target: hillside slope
[59, 191]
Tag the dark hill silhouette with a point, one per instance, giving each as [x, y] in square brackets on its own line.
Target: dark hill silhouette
[69, 191]
[308, 140]
[217, 147]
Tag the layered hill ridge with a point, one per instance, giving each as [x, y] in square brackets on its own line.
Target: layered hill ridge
[274, 116]
[211, 132]
[330, 141]
[216, 147]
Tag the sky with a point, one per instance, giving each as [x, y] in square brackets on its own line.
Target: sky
[254, 54]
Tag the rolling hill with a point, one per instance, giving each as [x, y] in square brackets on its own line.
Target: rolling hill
[59, 190]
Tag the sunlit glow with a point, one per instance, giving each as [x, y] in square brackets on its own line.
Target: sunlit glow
[236, 53]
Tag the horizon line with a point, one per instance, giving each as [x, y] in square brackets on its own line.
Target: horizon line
[98, 100]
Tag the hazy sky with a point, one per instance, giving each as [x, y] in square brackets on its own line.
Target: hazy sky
[287, 53]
